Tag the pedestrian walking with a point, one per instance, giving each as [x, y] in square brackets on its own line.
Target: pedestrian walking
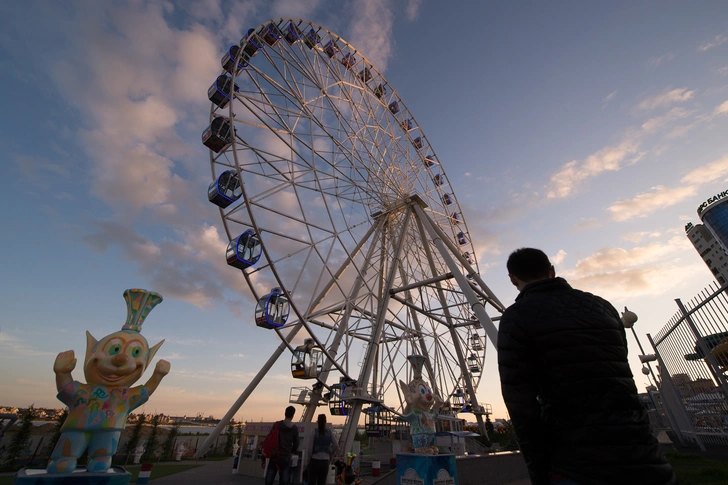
[322, 447]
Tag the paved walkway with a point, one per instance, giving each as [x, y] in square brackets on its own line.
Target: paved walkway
[220, 473]
[211, 472]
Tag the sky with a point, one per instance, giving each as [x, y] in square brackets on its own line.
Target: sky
[591, 131]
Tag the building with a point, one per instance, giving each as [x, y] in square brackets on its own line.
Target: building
[714, 214]
[713, 254]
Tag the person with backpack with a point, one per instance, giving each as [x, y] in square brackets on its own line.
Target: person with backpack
[280, 444]
[322, 446]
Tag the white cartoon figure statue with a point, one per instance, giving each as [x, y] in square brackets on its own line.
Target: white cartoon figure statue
[421, 410]
[98, 409]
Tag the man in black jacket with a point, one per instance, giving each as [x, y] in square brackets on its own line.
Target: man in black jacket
[562, 357]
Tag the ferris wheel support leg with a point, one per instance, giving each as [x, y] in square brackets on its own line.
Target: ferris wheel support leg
[333, 349]
[246, 393]
[425, 223]
[370, 360]
[472, 297]
[418, 328]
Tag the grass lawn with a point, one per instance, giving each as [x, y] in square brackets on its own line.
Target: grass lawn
[693, 469]
[159, 470]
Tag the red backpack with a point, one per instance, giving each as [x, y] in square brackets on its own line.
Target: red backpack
[270, 443]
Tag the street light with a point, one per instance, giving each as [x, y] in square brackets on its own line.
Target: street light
[628, 320]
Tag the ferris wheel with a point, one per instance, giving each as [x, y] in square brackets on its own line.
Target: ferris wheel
[345, 226]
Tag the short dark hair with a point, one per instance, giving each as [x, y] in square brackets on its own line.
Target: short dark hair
[290, 411]
[529, 264]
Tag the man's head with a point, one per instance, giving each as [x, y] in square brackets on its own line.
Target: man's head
[527, 265]
[290, 411]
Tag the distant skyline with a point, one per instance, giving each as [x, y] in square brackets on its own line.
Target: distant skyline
[591, 131]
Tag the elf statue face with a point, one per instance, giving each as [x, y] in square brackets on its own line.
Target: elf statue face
[117, 360]
[418, 395]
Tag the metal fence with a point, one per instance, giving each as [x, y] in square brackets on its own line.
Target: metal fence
[692, 355]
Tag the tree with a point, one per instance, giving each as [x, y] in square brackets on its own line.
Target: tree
[228, 449]
[21, 439]
[488, 425]
[168, 446]
[57, 431]
[152, 442]
[134, 438]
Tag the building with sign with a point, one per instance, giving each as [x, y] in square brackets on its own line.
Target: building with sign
[713, 254]
[714, 214]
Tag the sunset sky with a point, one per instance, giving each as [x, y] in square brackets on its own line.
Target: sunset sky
[590, 130]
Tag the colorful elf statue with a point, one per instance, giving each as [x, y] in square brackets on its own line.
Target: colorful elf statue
[99, 408]
[421, 409]
[346, 474]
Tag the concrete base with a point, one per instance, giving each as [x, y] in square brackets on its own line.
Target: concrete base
[503, 469]
[115, 476]
[414, 469]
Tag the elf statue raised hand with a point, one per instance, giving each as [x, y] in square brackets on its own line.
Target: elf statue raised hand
[421, 409]
[98, 409]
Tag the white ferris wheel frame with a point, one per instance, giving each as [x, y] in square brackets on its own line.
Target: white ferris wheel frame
[380, 193]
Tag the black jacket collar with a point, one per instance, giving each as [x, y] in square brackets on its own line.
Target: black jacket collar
[549, 284]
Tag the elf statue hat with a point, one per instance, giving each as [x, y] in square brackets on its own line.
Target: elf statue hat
[417, 362]
[138, 305]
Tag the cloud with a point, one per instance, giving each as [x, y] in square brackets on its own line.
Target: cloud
[644, 204]
[618, 273]
[656, 61]
[653, 124]
[191, 268]
[565, 181]
[12, 347]
[559, 258]
[655, 279]
[615, 259]
[585, 224]
[371, 31]
[722, 109]
[413, 9]
[660, 196]
[301, 9]
[609, 97]
[40, 171]
[707, 173]
[714, 42]
[636, 237]
[666, 98]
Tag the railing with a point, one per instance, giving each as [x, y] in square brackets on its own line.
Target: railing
[691, 366]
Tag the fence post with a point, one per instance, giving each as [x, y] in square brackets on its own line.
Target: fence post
[710, 360]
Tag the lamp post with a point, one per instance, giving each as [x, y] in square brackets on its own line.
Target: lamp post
[628, 320]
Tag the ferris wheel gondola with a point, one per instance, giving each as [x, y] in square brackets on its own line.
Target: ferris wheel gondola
[221, 90]
[307, 361]
[225, 190]
[244, 251]
[272, 310]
